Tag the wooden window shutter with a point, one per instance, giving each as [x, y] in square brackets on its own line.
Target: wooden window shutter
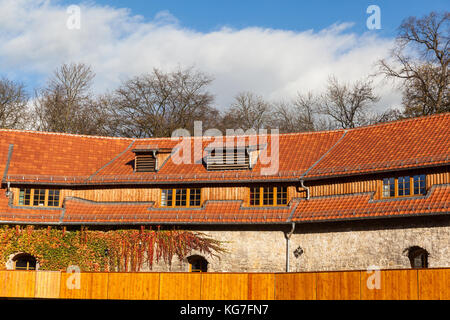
[228, 159]
[145, 162]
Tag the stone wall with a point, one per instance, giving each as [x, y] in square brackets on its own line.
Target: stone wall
[327, 246]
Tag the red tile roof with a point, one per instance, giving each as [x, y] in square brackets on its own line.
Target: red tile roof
[39, 157]
[75, 159]
[397, 145]
[362, 205]
[316, 209]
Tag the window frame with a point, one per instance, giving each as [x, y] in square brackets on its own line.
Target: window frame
[31, 262]
[174, 199]
[262, 196]
[416, 254]
[411, 182]
[32, 198]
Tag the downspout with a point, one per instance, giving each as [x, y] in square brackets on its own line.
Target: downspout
[304, 187]
[288, 237]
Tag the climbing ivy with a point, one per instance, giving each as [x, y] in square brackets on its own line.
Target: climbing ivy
[93, 250]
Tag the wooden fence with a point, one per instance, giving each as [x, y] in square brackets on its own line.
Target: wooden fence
[393, 284]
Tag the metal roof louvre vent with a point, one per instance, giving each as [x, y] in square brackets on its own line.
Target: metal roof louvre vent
[145, 160]
[237, 158]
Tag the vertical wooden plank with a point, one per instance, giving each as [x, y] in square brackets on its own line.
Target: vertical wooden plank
[91, 286]
[394, 285]
[70, 288]
[47, 284]
[3, 286]
[295, 286]
[434, 284]
[261, 286]
[99, 285]
[224, 286]
[180, 286]
[338, 285]
[18, 284]
[133, 286]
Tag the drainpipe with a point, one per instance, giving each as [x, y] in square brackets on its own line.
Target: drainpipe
[288, 237]
[8, 190]
[306, 188]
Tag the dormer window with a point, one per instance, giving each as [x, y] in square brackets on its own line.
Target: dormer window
[404, 186]
[145, 160]
[150, 158]
[237, 158]
[39, 197]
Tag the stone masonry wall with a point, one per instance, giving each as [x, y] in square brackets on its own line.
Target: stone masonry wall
[328, 246]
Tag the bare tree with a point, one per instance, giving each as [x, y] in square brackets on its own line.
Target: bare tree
[156, 104]
[296, 115]
[348, 105]
[420, 60]
[391, 114]
[248, 111]
[67, 104]
[13, 105]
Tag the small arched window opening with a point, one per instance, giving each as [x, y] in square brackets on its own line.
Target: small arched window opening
[24, 261]
[418, 257]
[197, 264]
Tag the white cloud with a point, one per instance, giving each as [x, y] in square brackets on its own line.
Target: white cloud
[274, 63]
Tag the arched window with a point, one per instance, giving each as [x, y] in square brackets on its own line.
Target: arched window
[197, 264]
[24, 261]
[418, 257]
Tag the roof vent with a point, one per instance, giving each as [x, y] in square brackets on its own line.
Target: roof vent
[145, 160]
[228, 159]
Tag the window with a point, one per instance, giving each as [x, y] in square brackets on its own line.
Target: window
[197, 264]
[25, 197]
[389, 187]
[195, 197]
[181, 197]
[53, 198]
[418, 257]
[404, 186]
[268, 196]
[24, 261]
[166, 197]
[282, 196]
[41, 197]
[419, 184]
[255, 196]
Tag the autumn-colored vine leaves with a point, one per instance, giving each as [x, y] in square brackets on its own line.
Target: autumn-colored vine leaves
[115, 250]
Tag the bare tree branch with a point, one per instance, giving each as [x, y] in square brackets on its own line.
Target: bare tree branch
[420, 59]
[156, 104]
[13, 105]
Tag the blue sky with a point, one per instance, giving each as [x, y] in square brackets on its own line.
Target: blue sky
[207, 15]
[275, 49]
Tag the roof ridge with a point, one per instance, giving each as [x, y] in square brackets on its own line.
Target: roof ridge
[64, 134]
[415, 119]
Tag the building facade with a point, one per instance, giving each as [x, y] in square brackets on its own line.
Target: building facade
[375, 196]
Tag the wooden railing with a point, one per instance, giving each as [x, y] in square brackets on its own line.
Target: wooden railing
[393, 284]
